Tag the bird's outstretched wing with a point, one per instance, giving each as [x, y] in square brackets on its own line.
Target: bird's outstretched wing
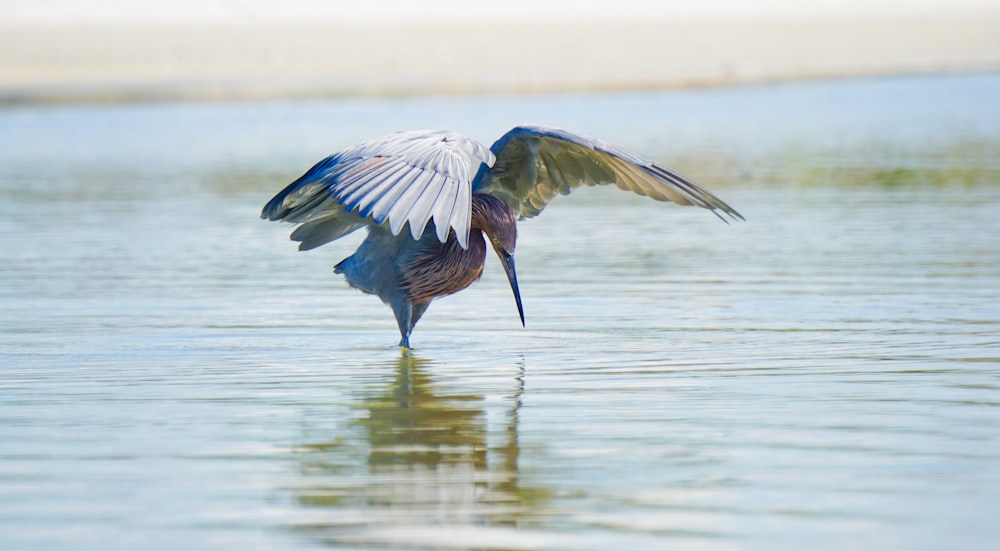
[406, 177]
[534, 164]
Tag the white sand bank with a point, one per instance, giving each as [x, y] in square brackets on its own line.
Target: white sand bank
[86, 55]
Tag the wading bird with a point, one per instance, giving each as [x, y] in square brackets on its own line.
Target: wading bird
[424, 180]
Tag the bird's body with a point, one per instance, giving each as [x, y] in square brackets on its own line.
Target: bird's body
[409, 273]
[423, 180]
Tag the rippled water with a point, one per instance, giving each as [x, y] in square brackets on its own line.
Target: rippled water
[825, 375]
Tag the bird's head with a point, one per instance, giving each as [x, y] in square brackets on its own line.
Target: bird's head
[503, 237]
[496, 219]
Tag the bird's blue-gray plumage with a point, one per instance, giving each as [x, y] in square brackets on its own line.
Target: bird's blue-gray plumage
[424, 180]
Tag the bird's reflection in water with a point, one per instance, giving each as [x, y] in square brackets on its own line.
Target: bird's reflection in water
[418, 456]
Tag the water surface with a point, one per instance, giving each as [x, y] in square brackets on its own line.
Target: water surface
[176, 375]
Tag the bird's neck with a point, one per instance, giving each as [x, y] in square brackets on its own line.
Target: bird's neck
[487, 210]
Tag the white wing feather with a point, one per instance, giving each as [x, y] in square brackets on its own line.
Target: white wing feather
[405, 178]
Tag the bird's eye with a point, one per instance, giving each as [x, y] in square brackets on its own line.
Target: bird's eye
[496, 241]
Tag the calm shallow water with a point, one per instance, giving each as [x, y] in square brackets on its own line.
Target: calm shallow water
[826, 374]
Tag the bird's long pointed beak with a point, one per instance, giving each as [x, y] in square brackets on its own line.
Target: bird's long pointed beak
[508, 266]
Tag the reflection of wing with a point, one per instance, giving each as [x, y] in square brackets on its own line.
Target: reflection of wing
[406, 177]
[534, 164]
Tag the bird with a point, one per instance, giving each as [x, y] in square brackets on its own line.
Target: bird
[456, 197]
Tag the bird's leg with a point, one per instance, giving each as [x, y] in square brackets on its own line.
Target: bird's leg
[403, 308]
[417, 311]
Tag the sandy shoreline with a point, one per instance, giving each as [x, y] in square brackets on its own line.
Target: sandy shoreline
[56, 61]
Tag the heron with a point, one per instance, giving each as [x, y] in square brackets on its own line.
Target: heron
[456, 197]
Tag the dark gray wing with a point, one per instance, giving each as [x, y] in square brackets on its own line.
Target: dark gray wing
[406, 177]
[534, 164]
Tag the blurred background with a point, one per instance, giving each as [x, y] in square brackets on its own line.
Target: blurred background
[825, 375]
[65, 50]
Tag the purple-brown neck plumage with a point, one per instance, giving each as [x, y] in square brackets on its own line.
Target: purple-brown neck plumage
[440, 269]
